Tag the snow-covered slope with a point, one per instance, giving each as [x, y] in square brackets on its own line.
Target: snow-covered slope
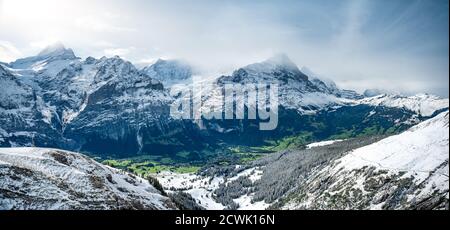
[199, 187]
[40, 178]
[202, 188]
[295, 89]
[60, 98]
[423, 104]
[405, 171]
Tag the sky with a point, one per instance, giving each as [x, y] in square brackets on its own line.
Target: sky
[400, 45]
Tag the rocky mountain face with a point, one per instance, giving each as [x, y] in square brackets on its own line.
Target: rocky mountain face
[108, 107]
[47, 179]
[96, 105]
[54, 55]
[23, 114]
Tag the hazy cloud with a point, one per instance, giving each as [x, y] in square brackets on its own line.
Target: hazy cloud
[401, 45]
[123, 52]
[94, 24]
[8, 52]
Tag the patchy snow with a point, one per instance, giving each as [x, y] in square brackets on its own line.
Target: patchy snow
[204, 199]
[42, 178]
[253, 174]
[200, 188]
[245, 203]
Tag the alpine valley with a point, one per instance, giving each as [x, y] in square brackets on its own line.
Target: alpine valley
[98, 134]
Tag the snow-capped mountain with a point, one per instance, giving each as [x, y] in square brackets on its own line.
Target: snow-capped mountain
[84, 104]
[405, 171]
[71, 89]
[40, 178]
[107, 106]
[296, 91]
[53, 58]
[304, 92]
[169, 72]
[302, 97]
[119, 105]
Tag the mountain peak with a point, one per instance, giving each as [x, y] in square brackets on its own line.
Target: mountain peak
[276, 62]
[56, 49]
[169, 71]
[280, 59]
[171, 62]
[159, 61]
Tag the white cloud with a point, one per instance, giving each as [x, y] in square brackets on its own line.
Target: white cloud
[8, 52]
[118, 51]
[103, 43]
[357, 43]
[100, 25]
[41, 44]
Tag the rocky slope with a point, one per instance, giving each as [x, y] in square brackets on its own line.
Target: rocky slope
[39, 178]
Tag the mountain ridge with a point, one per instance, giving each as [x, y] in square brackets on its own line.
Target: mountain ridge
[43, 179]
[108, 105]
